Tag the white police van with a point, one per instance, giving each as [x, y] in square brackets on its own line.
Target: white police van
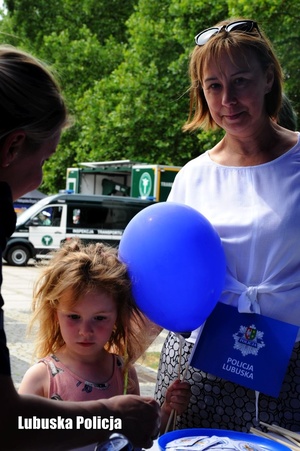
[44, 226]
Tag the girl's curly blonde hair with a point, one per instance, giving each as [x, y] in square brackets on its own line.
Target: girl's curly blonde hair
[82, 268]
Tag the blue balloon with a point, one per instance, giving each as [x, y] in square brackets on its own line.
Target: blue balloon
[176, 263]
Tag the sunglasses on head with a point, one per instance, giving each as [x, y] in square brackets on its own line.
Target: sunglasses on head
[245, 26]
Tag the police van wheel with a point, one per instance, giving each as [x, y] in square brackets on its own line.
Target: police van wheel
[18, 256]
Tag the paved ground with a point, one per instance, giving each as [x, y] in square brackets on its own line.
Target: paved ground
[17, 293]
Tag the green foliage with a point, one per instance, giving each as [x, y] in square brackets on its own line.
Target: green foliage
[123, 66]
[280, 19]
[141, 108]
[82, 42]
[36, 19]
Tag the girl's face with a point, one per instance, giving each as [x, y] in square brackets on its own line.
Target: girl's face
[235, 92]
[87, 326]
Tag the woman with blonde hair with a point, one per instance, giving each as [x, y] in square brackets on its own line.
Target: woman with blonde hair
[247, 186]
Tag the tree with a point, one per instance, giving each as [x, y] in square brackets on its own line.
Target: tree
[142, 105]
[279, 19]
[80, 64]
[123, 67]
[35, 19]
[81, 41]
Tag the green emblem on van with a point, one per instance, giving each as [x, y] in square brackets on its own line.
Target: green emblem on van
[47, 240]
[145, 185]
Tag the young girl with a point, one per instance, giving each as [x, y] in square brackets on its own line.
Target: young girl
[90, 331]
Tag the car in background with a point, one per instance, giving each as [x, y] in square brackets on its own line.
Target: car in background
[89, 217]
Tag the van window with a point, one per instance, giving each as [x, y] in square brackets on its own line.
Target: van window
[86, 216]
[120, 215]
[107, 217]
[56, 216]
[49, 216]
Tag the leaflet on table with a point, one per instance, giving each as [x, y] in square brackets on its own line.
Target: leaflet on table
[205, 443]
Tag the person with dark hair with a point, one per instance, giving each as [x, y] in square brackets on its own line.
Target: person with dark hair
[33, 115]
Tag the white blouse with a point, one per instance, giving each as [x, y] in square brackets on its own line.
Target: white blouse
[256, 212]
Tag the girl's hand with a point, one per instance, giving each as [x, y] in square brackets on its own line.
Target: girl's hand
[177, 397]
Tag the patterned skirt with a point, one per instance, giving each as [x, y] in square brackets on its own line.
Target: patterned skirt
[220, 404]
